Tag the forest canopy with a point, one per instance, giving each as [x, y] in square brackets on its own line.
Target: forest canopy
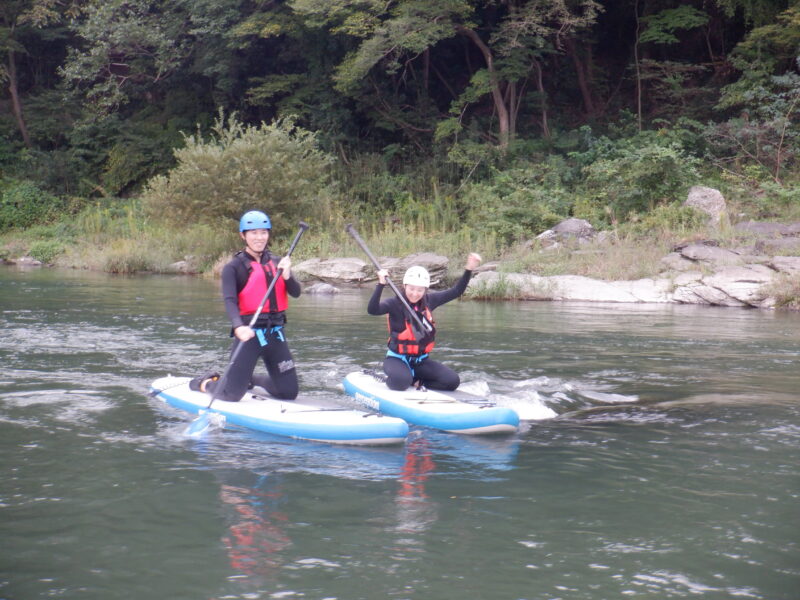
[505, 114]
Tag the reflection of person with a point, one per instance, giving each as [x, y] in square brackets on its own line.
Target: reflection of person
[415, 511]
[407, 358]
[256, 536]
[418, 464]
[245, 280]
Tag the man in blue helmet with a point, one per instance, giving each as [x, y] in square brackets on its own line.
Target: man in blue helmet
[245, 280]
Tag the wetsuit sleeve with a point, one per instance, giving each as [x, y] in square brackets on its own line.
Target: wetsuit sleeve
[293, 287]
[375, 306]
[438, 298]
[230, 294]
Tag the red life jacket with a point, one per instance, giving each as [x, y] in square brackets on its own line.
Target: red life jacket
[253, 292]
[404, 342]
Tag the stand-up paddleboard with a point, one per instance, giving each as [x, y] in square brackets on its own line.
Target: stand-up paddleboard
[299, 418]
[440, 410]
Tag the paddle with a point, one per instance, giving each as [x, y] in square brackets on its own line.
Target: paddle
[202, 422]
[421, 325]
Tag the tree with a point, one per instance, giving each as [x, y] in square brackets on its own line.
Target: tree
[512, 39]
[662, 28]
[18, 18]
[131, 48]
[766, 132]
[532, 30]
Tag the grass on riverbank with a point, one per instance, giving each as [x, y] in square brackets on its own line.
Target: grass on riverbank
[117, 237]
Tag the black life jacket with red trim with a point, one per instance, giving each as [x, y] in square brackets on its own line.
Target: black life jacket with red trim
[404, 342]
[252, 293]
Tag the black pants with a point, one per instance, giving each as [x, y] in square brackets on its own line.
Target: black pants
[430, 373]
[281, 378]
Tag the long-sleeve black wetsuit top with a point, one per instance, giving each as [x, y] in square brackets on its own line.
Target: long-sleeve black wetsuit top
[234, 277]
[397, 313]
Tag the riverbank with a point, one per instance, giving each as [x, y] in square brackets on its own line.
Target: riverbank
[749, 264]
[755, 264]
[757, 272]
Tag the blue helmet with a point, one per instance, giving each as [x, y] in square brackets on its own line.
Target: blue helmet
[254, 219]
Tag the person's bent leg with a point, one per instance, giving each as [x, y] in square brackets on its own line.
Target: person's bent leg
[281, 381]
[398, 374]
[238, 379]
[436, 376]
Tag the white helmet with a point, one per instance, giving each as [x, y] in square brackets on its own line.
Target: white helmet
[417, 275]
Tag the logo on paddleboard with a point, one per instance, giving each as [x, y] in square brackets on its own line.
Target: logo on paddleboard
[367, 401]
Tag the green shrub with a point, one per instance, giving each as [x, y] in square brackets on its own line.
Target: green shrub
[500, 288]
[635, 180]
[23, 204]
[519, 203]
[46, 250]
[673, 219]
[786, 291]
[277, 168]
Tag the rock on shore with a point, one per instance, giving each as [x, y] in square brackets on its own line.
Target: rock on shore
[694, 273]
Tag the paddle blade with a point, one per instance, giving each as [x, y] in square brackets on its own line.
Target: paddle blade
[200, 425]
[204, 421]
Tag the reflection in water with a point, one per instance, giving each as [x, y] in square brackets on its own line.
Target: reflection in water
[256, 535]
[415, 510]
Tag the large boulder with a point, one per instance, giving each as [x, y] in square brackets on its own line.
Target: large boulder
[789, 265]
[354, 271]
[768, 228]
[322, 289]
[730, 286]
[435, 264]
[713, 256]
[572, 229]
[772, 238]
[707, 200]
[575, 287]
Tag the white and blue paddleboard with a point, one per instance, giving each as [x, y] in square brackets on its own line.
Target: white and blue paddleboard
[455, 412]
[303, 419]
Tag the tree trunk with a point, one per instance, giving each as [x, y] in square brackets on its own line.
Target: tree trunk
[511, 89]
[583, 80]
[426, 68]
[540, 87]
[638, 70]
[16, 105]
[497, 94]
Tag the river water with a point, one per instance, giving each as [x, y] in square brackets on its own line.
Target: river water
[664, 461]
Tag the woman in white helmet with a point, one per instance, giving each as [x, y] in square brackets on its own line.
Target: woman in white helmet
[407, 361]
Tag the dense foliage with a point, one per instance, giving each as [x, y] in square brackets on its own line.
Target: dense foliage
[500, 117]
[240, 168]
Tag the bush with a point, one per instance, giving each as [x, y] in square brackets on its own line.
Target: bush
[786, 291]
[46, 250]
[673, 219]
[23, 204]
[277, 168]
[498, 289]
[518, 203]
[635, 178]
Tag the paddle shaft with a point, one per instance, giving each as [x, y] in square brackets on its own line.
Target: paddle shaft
[278, 273]
[423, 326]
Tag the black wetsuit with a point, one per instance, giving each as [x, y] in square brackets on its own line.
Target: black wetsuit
[270, 342]
[402, 372]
